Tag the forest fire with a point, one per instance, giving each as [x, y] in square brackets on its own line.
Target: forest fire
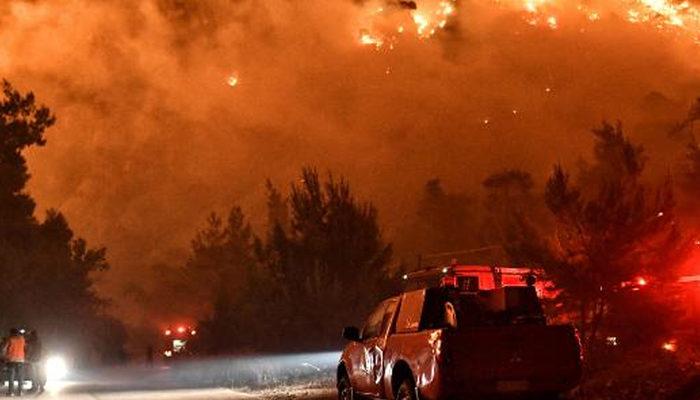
[205, 152]
[680, 16]
[431, 16]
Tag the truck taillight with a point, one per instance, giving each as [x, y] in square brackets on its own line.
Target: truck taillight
[449, 281]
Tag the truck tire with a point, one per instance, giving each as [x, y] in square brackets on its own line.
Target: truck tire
[345, 391]
[407, 390]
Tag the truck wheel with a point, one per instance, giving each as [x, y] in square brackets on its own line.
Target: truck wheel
[345, 391]
[407, 391]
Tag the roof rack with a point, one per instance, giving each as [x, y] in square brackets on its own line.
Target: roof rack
[479, 277]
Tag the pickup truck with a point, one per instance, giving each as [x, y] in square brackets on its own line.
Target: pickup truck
[438, 343]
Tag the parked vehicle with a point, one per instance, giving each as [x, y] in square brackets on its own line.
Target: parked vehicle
[443, 342]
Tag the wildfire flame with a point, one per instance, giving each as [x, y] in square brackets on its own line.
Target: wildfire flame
[425, 18]
[670, 346]
[676, 16]
[367, 39]
[232, 80]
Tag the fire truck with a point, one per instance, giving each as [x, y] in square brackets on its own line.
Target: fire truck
[178, 342]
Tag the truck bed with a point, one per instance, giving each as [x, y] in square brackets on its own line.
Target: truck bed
[535, 358]
[490, 359]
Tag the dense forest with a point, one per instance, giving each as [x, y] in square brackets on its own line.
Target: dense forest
[323, 260]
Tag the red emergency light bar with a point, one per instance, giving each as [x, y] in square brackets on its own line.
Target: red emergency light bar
[180, 331]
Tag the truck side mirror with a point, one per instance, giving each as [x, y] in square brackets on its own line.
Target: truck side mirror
[351, 333]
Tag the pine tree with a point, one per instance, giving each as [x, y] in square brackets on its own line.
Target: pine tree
[614, 230]
[444, 222]
[46, 271]
[513, 218]
[338, 259]
[218, 274]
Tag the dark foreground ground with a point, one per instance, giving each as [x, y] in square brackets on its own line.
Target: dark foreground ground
[632, 376]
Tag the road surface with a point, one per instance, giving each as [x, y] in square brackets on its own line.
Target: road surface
[289, 377]
[77, 393]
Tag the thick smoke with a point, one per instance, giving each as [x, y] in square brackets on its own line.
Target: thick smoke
[151, 137]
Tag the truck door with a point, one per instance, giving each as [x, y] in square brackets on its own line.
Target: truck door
[374, 336]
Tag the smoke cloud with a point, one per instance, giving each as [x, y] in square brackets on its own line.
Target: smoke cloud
[169, 109]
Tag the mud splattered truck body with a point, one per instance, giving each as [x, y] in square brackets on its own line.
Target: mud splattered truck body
[459, 341]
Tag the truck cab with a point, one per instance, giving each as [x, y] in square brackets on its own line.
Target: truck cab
[447, 341]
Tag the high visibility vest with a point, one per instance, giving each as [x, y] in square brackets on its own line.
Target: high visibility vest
[15, 349]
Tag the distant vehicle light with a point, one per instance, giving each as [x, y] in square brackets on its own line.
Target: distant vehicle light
[168, 353]
[642, 281]
[194, 332]
[445, 270]
[55, 368]
[181, 329]
[168, 332]
[611, 341]
[179, 345]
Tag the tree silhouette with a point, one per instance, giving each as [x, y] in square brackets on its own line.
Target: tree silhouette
[615, 230]
[336, 270]
[513, 217]
[46, 271]
[218, 273]
[327, 268]
[444, 222]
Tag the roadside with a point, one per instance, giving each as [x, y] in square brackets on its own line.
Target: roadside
[644, 375]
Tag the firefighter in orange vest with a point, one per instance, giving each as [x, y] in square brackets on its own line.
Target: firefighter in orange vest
[14, 354]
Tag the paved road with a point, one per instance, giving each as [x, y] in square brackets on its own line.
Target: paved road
[182, 394]
[305, 377]
[77, 393]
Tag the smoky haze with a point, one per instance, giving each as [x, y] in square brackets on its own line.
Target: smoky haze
[151, 135]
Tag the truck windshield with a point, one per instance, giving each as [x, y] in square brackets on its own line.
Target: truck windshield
[505, 306]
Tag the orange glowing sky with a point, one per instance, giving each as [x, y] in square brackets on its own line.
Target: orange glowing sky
[170, 109]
